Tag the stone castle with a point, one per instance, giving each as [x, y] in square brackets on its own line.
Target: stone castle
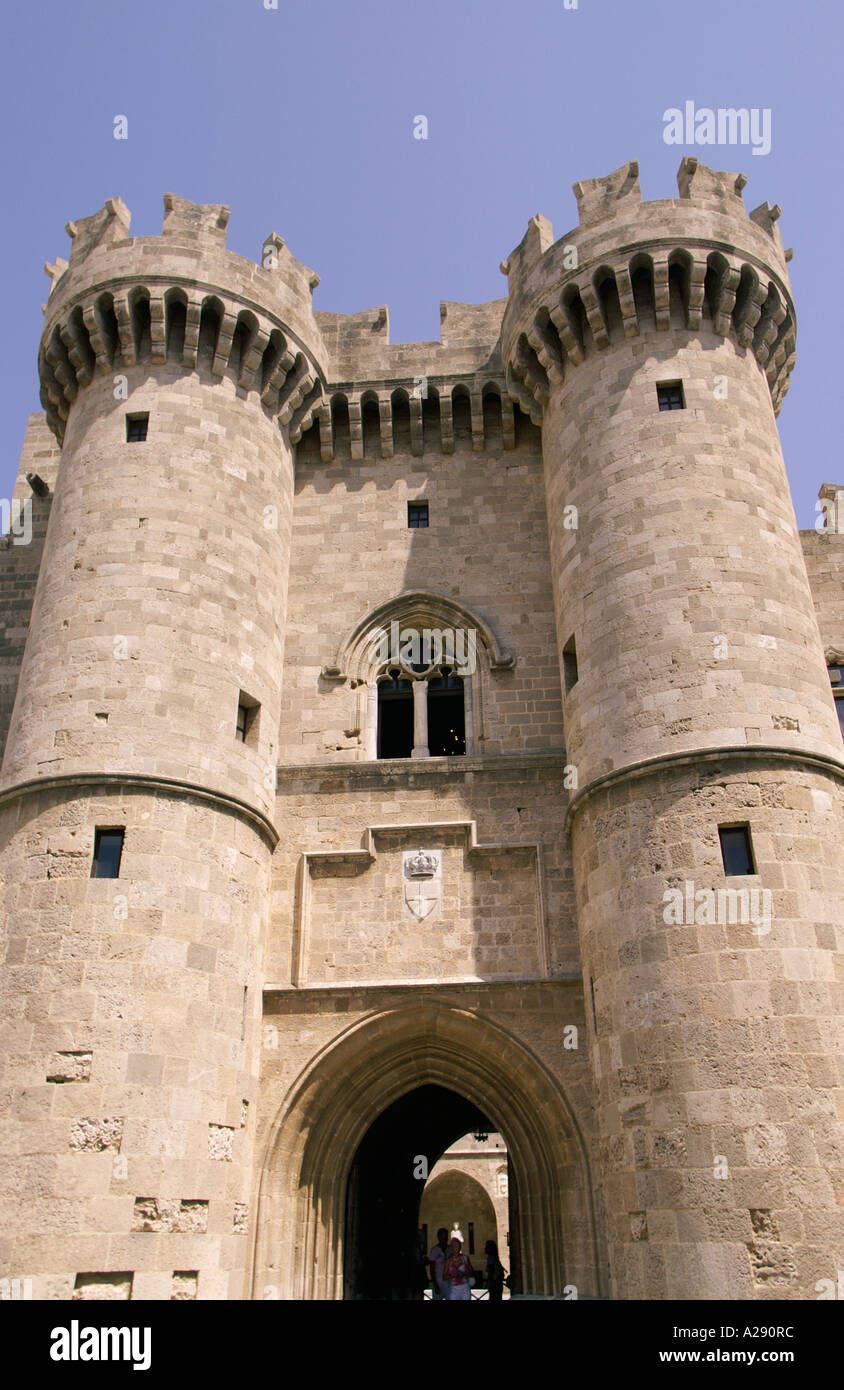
[402, 740]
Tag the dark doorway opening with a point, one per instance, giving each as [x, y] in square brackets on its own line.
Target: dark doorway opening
[385, 1189]
[446, 717]
[395, 718]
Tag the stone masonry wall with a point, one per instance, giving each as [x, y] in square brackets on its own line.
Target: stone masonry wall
[130, 1042]
[684, 518]
[824, 557]
[162, 593]
[486, 545]
[718, 1091]
[496, 906]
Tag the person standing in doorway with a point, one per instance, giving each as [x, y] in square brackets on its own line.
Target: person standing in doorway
[494, 1272]
[458, 1269]
[436, 1265]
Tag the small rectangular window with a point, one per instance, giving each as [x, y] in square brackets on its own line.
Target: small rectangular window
[136, 428]
[108, 850]
[670, 395]
[246, 726]
[736, 850]
[570, 664]
[417, 515]
[471, 1237]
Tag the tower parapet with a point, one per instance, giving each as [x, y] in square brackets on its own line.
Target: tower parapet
[631, 266]
[693, 290]
[181, 297]
[178, 329]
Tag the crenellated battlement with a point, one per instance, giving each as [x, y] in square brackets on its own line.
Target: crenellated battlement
[697, 261]
[442, 414]
[182, 297]
[694, 262]
[387, 398]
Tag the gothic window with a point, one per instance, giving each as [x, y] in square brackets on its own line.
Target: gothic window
[415, 668]
[421, 712]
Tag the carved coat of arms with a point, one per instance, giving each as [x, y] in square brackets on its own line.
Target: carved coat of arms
[422, 874]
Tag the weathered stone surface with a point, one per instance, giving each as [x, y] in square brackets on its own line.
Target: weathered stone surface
[70, 1066]
[96, 1136]
[105, 1288]
[184, 1285]
[221, 1143]
[169, 1214]
[653, 638]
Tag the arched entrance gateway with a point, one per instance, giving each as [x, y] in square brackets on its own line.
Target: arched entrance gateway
[364, 1110]
[385, 1188]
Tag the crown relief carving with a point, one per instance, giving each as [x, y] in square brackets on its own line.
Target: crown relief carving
[422, 865]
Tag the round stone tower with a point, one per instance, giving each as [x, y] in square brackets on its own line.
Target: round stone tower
[143, 743]
[653, 345]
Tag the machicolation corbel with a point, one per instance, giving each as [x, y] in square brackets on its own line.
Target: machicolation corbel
[37, 484]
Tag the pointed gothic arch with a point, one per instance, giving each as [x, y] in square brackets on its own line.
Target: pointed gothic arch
[453, 1195]
[299, 1244]
[367, 657]
[417, 608]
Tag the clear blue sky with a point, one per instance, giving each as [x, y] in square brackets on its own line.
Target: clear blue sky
[300, 119]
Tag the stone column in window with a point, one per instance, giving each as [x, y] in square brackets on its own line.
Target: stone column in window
[420, 720]
[372, 722]
[468, 710]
